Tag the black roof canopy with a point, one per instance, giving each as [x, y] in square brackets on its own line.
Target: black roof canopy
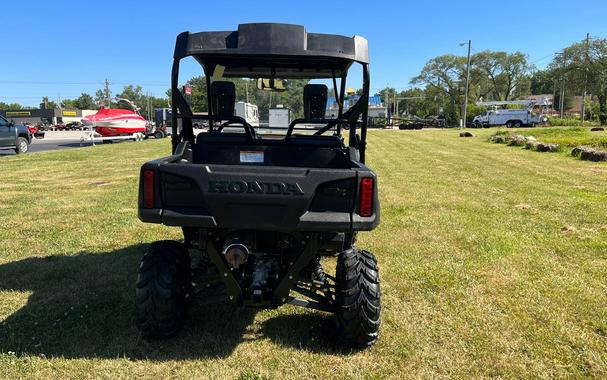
[270, 49]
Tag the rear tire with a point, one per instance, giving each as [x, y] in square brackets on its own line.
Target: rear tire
[159, 135]
[22, 145]
[358, 298]
[162, 284]
[509, 124]
[517, 124]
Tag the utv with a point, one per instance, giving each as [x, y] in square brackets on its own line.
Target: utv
[257, 209]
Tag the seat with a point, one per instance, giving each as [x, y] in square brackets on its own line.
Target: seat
[223, 98]
[318, 141]
[315, 101]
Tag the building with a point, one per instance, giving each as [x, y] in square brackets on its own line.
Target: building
[48, 116]
[376, 107]
[546, 100]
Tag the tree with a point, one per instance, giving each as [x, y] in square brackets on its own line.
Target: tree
[444, 74]
[10, 106]
[134, 93]
[500, 75]
[68, 104]
[583, 66]
[100, 97]
[85, 102]
[542, 82]
[47, 104]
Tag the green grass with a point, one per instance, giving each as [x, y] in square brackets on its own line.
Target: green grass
[493, 262]
[566, 137]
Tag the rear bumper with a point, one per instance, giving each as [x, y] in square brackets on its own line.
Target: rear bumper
[188, 196]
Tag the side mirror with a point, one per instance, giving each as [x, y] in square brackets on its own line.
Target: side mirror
[270, 84]
[11, 123]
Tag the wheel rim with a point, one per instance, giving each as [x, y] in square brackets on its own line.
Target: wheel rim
[23, 146]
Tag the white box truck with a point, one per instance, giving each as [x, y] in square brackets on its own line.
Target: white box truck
[280, 117]
[248, 112]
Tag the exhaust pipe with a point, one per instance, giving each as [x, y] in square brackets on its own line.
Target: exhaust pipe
[235, 252]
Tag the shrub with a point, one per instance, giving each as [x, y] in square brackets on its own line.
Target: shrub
[568, 122]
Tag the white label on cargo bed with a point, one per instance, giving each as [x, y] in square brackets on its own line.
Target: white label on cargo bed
[254, 156]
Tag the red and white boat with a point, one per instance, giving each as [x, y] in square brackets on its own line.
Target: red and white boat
[112, 122]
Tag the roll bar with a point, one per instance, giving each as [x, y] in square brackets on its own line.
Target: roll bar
[182, 114]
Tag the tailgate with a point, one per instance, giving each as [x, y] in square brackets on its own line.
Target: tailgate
[257, 197]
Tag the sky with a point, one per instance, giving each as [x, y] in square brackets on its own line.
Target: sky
[60, 49]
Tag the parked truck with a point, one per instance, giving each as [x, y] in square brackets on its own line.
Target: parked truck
[248, 112]
[511, 118]
[14, 136]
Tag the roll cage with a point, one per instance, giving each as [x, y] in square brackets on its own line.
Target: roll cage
[270, 50]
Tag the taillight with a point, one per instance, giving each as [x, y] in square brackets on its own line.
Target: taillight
[149, 177]
[366, 197]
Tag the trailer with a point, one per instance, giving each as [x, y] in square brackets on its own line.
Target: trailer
[415, 122]
[93, 137]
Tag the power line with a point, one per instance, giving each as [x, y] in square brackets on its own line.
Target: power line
[78, 83]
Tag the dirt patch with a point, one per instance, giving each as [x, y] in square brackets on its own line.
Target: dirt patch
[466, 134]
[99, 183]
[568, 229]
[522, 206]
[597, 129]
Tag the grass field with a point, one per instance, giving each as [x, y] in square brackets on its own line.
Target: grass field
[566, 137]
[493, 262]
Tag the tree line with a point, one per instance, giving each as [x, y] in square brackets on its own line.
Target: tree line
[247, 91]
[496, 75]
[86, 101]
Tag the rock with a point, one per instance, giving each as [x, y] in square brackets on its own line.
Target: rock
[575, 152]
[466, 134]
[517, 140]
[593, 155]
[500, 139]
[597, 129]
[547, 147]
[530, 138]
[588, 153]
[531, 145]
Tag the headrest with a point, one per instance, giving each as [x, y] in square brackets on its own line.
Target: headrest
[315, 101]
[223, 98]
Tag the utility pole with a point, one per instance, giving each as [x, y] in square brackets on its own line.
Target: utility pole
[467, 85]
[562, 95]
[585, 77]
[107, 93]
[246, 89]
[395, 104]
